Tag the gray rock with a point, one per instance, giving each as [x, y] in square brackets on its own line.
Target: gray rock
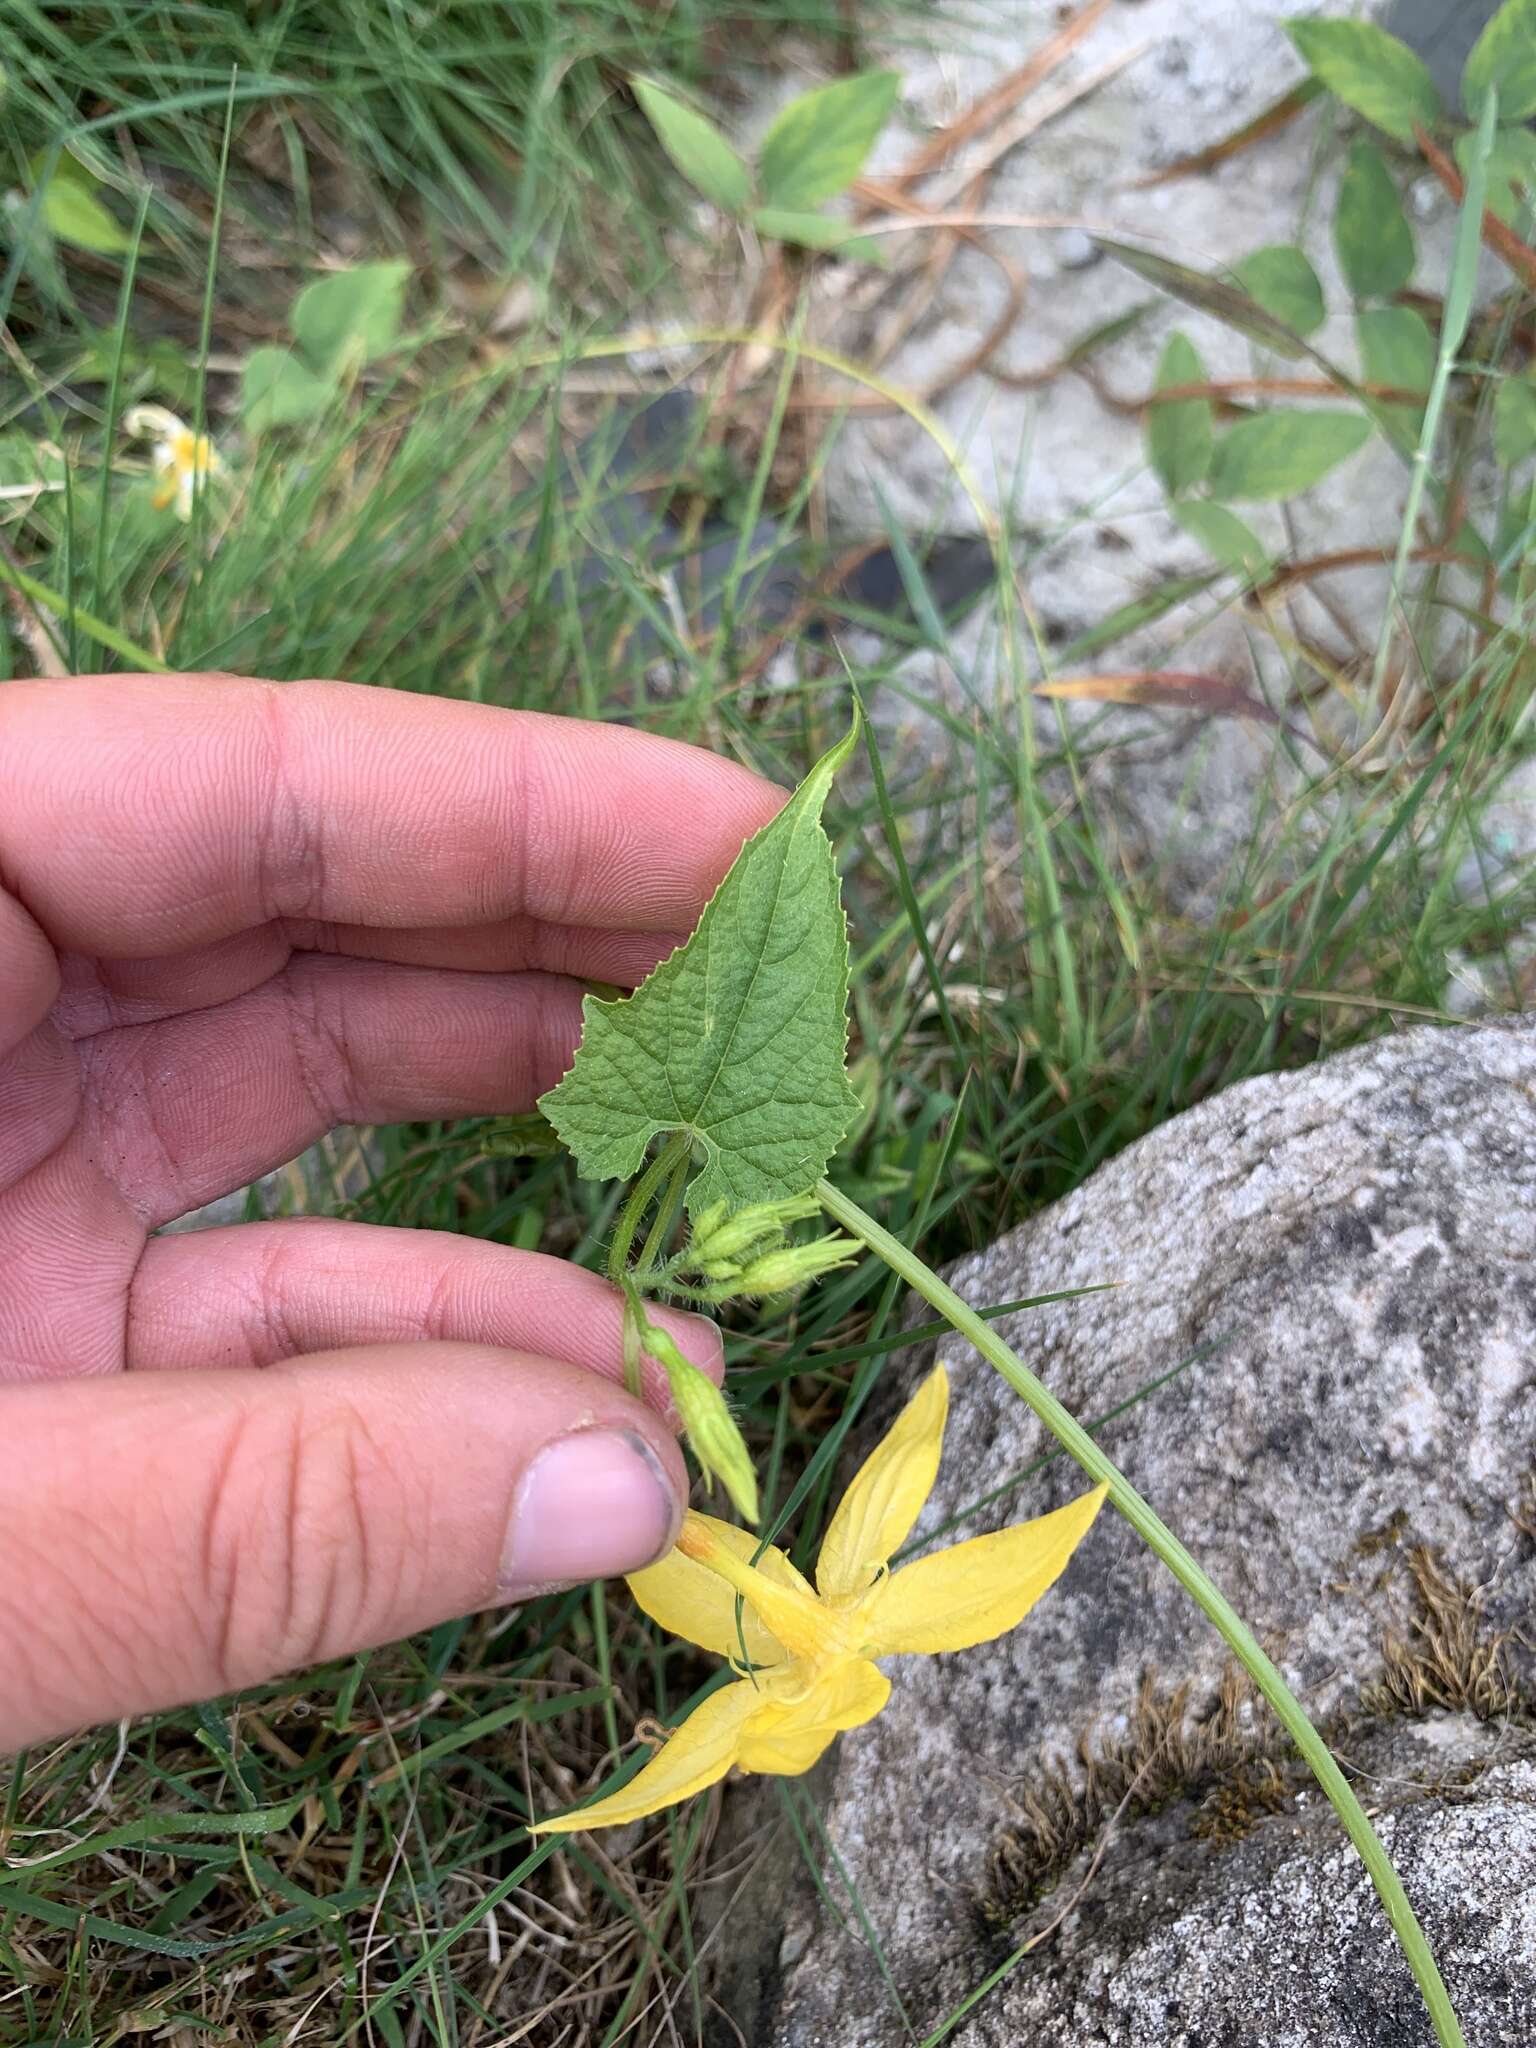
[1187, 797]
[1339, 1269]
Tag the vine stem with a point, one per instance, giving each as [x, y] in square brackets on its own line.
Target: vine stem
[1200, 1587]
[641, 1195]
[670, 1163]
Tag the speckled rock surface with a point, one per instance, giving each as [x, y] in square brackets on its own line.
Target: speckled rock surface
[1343, 1264]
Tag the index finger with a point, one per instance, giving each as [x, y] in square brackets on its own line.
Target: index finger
[147, 814]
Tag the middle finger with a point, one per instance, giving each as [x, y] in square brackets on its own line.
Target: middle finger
[192, 1107]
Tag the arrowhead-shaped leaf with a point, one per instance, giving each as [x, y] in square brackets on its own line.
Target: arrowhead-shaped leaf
[1371, 71]
[740, 1037]
[817, 146]
[697, 147]
[352, 315]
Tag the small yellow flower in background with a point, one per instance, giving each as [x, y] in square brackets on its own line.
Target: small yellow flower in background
[806, 1655]
[179, 456]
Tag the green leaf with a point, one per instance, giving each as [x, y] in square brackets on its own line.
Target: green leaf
[1222, 534]
[697, 148]
[817, 146]
[1511, 174]
[1277, 454]
[1370, 229]
[1396, 347]
[1514, 420]
[816, 231]
[1180, 434]
[75, 215]
[1504, 55]
[740, 1037]
[1285, 284]
[351, 316]
[276, 389]
[1370, 71]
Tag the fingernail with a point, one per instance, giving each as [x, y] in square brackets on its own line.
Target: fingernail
[591, 1506]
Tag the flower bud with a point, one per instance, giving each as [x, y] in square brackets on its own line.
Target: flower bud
[793, 1265]
[717, 1239]
[708, 1424]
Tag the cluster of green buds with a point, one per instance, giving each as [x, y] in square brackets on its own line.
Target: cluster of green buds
[748, 1252]
[728, 1254]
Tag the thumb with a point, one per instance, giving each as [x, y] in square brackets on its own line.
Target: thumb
[171, 1536]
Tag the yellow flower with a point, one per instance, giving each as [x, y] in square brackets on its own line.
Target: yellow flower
[806, 1655]
[179, 456]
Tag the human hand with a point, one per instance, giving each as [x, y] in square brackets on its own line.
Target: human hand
[234, 914]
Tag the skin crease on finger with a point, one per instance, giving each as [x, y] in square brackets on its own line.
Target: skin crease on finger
[218, 1528]
[231, 915]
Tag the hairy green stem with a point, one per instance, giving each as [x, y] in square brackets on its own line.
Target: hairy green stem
[1239, 1637]
[666, 1212]
[641, 1194]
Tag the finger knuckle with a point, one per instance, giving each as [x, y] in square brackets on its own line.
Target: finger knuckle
[319, 1571]
[320, 1041]
[291, 857]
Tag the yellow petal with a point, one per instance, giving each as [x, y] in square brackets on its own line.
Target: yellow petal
[690, 1601]
[807, 1627]
[785, 1738]
[693, 1756]
[976, 1590]
[875, 1516]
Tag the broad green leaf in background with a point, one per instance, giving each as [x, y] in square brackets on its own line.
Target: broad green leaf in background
[71, 211]
[1222, 534]
[75, 216]
[1370, 229]
[1285, 284]
[817, 146]
[740, 1037]
[351, 316]
[1504, 55]
[1276, 454]
[1180, 434]
[697, 147]
[816, 231]
[1511, 174]
[1396, 347]
[1370, 71]
[1514, 420]
[276, 389]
